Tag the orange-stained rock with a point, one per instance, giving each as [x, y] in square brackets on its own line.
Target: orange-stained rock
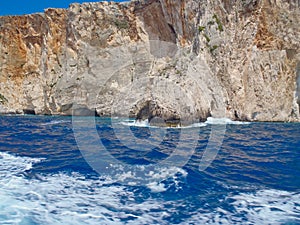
[187, 59]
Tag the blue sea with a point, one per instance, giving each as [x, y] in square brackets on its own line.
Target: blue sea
[116, 171]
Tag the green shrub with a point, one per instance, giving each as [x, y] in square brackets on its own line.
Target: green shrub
[213, 48]
[206, 37]
[201, 28]
[210, 23]
[2, 99]
[218, 21]
[121, 24]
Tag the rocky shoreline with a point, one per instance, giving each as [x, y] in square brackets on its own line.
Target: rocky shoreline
[165, 61]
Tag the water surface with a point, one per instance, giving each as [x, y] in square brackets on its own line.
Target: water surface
[44, 178]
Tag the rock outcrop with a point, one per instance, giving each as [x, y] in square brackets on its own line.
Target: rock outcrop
[175, 60]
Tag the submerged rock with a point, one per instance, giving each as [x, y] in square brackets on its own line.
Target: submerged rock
[175, 62]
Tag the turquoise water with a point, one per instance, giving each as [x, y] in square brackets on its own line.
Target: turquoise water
[46, 177]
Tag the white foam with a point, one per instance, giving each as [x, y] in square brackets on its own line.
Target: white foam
[136, 123]
[70, 198]
[163, 174]
[264, 207]
[145, 123]
[11, 165]
[221, 121]
[157, 187]
[195, 125]
[73, 199]
[53, 122]
[210, 120]
[153, 177]
[271, 206]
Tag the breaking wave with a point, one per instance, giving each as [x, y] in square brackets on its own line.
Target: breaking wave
[145, 123]
[216, 121]
[209, 121]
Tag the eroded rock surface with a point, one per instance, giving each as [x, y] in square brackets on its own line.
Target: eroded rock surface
[175, 60]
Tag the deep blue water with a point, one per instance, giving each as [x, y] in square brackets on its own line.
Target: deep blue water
[44, 178]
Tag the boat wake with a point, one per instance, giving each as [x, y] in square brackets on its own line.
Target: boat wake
[74, 199]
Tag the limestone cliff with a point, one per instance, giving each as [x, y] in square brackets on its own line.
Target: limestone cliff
[175, 60]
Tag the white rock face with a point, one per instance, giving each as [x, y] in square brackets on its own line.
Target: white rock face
[179, 61]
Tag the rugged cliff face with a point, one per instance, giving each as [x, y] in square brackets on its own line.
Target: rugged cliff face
[170, 60]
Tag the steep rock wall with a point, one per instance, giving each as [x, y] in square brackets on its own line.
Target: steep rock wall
[169, 59]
